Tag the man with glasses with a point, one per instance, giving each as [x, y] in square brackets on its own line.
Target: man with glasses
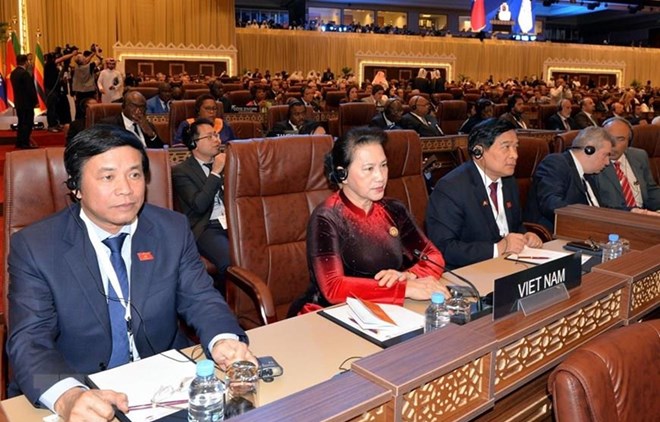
[198, 185]
[419, 119]
[133, 117]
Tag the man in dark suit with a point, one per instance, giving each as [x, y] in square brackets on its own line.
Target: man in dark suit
[25, 100]
[296, 123]
[198, 185]
[584, 118]
[103, 301]
[160, 104]
[419, 119]
[627, 184]
[133, 117]
[560, 178]
[562, 119]
[474, 211]
[390, 117]
[514, 110]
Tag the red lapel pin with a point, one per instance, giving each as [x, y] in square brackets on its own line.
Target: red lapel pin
[145, 256]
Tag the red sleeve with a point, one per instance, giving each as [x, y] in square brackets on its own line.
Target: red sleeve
[328, 268]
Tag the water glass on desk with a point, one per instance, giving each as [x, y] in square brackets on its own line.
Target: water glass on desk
[458, 308]
[242, 378]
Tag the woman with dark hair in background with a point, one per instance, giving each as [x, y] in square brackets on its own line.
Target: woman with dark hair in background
[206, 108]
[360, 243]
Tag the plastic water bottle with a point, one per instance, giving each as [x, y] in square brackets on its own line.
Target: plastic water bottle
[436, 314]
[206, 401]
[613, 249]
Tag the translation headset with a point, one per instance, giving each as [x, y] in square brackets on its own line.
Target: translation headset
[414, 105]
[589, 149]
[339, 174]
[189, 138]
[477, 151]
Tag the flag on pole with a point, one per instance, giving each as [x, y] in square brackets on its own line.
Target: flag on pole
[478, 15]
[3, 94]
[39, 76]
[12, 50]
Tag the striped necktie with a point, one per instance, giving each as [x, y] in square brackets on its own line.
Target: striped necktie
[625, 186]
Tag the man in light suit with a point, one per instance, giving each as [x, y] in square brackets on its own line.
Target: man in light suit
[633, 174]
[419, 119]
[134, 119]
[474, 211]
[560, 178]
[71, 269]
[198, 185]
[160, 104]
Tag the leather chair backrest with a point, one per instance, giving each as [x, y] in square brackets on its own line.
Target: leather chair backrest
[240, 97]
[146, 91]
[471, 98]
[35, 188]
[232, 87]
[451, 115]
[612, 378]
[181, 110]
[247, 129]
[192, 94]
[545, 111]
[97, 112]
[195, 85]
[442, 96]
[499, 109]
[564, 140]
[531, 151]
[292, 94]
[277, 113]
[332, 99]
[272, 185]
[153, 84]
[457, 93]
[647, 137]
[355, 114]
[406, 183]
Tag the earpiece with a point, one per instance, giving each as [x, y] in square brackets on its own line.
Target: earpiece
[477, 151]
[188, 138]
[589, 149]
[341, 174]
[414, 105]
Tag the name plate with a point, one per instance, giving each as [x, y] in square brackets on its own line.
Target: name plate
[565, 273]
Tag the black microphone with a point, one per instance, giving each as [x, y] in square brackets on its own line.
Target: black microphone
[475, 291]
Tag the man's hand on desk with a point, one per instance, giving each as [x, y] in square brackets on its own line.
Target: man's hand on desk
[78, 404]
[532, 240]
[512, 243]
[227, 351]
[423, 288]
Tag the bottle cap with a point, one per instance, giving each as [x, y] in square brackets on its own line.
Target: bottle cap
[205, 368]
[438, 298]
[613, 237]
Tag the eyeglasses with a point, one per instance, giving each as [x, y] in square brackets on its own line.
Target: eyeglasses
[212, 108]
[209, 136]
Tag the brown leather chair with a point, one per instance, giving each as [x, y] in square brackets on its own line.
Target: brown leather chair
[441, 96]
[355, 114]
[545, 111]
[194, 85]
[472, 98]
[451, 115]
[232, 87]
[278, 113]
[332, 99]
[647, 137]
[192, 94]
[240, 97]
[272, 186]
[612, 378]
[457, 93]
[152, 84]
[181, 110]
[499, 109]
[146, 91]
[531, 151]
[246, 129]
[43, 170]
[406, 183]
[97, 112]
[564, 140]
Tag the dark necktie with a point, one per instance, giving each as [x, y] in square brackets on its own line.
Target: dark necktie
[566, 125]
[208, 166]
[586, 192]
[137, 131]
[493, 195]
[120, 347]
[625, 186]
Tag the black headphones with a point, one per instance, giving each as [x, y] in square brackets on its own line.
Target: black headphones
[188, 137]
[72, 183]
[589, 149]
[477, 151]
[414, 105]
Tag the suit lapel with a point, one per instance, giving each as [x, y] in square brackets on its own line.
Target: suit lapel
[481, 196]
[509, 202]
[87, 272]
[145, 250]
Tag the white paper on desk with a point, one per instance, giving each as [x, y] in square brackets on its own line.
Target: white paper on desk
[366, 319]
[405, 319]
[140, 380]
[541, 256]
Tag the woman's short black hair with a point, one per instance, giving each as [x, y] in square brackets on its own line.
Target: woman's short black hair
[95, 141]
[337, 161]
[200, 100]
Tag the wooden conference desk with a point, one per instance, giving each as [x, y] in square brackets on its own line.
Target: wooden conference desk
[456, 373]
